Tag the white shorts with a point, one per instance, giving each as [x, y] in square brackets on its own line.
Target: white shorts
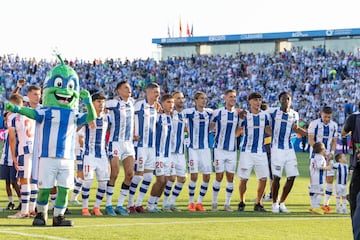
[56, 170]
[25, 165]
[224, 161]
[145, 159]
[248, 161]
[281, 159]
[100, 166]
[180, 164]
[316, 188]
[164, 167]
[200, 159]
[341, 190]
[121, 149]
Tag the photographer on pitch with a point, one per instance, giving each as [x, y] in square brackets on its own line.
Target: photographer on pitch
[352, 126]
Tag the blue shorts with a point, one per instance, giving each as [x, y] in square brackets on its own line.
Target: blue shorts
[8, 173]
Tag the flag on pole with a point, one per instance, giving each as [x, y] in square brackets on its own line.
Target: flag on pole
[192, 30]
[180, 28]
[169, 36]
[187, 30]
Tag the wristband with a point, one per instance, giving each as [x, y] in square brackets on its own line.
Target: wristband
[87, 100]
[16, 109]
[332, 152]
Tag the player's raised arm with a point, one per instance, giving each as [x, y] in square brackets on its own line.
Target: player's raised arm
[20, 83]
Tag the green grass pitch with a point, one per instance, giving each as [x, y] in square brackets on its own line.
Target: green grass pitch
[300, 224]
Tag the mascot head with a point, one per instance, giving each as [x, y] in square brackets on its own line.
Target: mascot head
[61, 87]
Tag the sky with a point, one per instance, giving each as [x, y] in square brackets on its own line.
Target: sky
[88, 29]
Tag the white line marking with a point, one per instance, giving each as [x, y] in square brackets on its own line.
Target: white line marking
[182, 222]
[202, 222]
[31, 235]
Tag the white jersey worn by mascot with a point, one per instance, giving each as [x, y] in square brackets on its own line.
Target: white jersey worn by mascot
[57, 121]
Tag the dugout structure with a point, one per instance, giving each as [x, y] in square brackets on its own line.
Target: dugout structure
[347, 40]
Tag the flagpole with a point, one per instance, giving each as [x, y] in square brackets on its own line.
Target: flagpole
[180, 27]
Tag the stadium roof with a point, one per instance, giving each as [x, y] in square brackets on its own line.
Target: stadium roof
[259, 36]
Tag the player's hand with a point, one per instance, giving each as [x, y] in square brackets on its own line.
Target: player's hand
[21, 82]
[241, 112]
[239, 131]
[92, 124]
[136, 137]
[16, 165]
[84, 94]
[9, 107]
[158, 107]
[329, 156]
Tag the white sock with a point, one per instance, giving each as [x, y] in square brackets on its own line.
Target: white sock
[192, 187]
[328, 193]
[229, 191]
[100, 193]
[176, 192]
[144, 188]
[203, 190]
[133, 186]
[216, 189]
[25, 190]
[109, 194]
[85, 192]
[167, 192]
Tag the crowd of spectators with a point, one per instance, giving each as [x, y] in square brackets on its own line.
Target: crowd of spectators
[315, 78]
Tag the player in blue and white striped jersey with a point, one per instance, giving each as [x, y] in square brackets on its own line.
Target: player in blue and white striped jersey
[164, 164]
[284, 121]
[226, 121]
[255, 125]
[24, 130]
[198, 126]
[95, 157]
[342, 176]
[145, 122]
[177, 154]
[121, 145]
[32, 98]
[325, 130]
[7, 168]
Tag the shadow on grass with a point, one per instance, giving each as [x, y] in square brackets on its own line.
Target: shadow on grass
[299, 210]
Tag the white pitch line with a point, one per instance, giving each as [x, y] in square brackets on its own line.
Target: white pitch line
[32, 235]
[202, 222]
[182, 222]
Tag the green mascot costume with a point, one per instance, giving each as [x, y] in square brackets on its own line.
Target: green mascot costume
[57, 122]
